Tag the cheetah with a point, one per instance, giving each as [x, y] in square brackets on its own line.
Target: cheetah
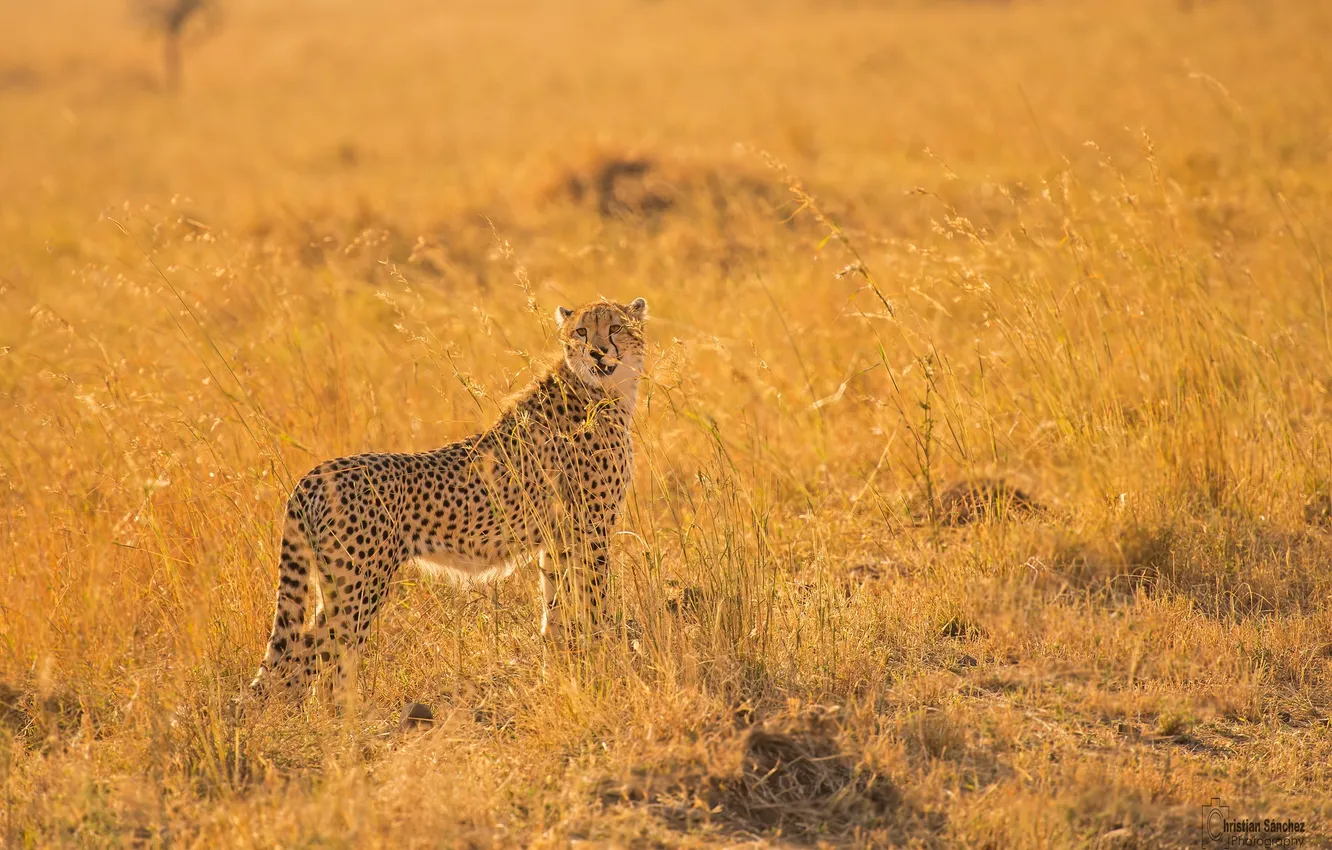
[547, 479]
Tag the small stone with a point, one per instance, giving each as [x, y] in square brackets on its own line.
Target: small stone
[416, 716]
[1121, 839]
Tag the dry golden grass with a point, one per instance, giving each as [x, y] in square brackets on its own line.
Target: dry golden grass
[1103, 234]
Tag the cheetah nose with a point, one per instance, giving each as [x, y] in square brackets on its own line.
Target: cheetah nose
[597, 354]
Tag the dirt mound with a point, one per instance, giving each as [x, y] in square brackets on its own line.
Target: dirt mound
[798, 780]
[36, 718]
[631, 186]
[977, 500]
[792, 776]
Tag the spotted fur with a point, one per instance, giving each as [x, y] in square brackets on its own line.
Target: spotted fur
[549, 478]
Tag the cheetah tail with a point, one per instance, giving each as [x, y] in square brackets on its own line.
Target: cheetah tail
[294, 573]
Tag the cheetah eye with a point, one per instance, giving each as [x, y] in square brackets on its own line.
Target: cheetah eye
[614, 329]
[582, 332]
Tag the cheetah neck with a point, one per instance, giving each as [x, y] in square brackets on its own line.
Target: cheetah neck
[623, 395]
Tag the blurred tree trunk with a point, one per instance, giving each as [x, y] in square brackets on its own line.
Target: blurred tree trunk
[171, 59]
[173, 19]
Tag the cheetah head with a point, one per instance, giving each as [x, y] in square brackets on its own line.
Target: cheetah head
[603, 342]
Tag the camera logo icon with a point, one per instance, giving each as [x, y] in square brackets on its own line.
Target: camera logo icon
[1214, 819]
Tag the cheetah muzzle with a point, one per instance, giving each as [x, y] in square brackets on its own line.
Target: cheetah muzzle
[548, 478]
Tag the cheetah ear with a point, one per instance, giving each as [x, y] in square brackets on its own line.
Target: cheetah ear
[637, 309]
[562, 315]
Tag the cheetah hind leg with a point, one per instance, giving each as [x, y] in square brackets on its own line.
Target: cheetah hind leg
[331, 661]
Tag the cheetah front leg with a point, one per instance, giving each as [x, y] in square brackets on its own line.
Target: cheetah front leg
[573, 589]
[552, 594]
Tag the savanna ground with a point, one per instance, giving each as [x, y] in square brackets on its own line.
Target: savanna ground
[1077, 247]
